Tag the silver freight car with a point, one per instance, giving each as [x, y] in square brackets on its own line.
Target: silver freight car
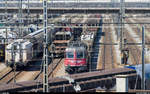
[22, 51]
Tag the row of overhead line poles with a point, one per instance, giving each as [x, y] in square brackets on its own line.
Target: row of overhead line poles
[45, 56]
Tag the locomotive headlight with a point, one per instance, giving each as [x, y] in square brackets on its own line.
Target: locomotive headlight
[75, 61]
[79, 61]
[72, 61]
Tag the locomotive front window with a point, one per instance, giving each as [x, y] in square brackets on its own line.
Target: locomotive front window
[80, 55]
[15, 47]
[69, 55]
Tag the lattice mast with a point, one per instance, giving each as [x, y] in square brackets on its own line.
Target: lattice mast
[122, 15]
[45, 66]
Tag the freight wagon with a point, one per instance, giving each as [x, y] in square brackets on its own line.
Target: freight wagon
[29, 49]
[60, 42]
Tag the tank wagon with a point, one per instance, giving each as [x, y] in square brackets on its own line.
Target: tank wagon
[23, 51]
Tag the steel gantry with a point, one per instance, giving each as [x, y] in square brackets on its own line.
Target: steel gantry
[80, 6]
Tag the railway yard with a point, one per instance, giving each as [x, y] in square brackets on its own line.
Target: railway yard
[84, 49]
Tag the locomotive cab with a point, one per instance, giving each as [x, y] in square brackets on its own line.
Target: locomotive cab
[76, 59]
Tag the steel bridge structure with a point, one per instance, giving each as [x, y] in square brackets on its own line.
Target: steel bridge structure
[79, 7]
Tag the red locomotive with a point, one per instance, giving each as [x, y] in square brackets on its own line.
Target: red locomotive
[77, 54]
[76, 57]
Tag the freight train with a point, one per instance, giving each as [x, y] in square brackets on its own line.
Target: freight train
[20, 52]
[64, 37]
[77, 54]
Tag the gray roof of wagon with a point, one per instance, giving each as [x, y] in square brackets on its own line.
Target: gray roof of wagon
[76, 48]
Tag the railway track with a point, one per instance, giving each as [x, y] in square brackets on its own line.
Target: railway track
[107, 54]
[35, 75]
[8, 76]
[53, 66]
[147, 39]
[116, 50]
[4, 73]
[134, 51]
[139, 31]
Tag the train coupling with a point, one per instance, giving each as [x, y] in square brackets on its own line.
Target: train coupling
[82, 69]
[68, 69]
